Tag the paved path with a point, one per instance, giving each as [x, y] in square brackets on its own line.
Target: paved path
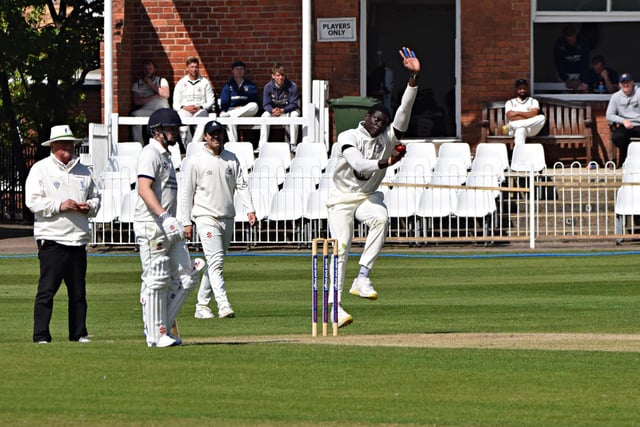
[17, 239]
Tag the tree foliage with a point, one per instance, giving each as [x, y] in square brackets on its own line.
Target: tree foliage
[46, 49]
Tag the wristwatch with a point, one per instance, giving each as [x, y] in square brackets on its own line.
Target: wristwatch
[415, 76]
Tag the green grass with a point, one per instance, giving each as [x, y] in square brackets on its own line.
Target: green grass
[117, 380]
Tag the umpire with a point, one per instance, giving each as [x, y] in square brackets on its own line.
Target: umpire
[62, 195]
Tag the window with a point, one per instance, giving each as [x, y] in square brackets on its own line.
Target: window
[608, 26]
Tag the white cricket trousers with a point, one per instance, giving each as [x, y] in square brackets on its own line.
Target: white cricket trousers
[368, 209]
[249, 110]
[521, 129]
[293, 129]
[162, 263]
[215, 235]
[185, 131]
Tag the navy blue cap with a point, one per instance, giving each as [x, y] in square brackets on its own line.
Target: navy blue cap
[521, 82]
[212, 127]
[625, 77]
[238, 64]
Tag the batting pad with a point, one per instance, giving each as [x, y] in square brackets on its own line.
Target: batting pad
[155, 312]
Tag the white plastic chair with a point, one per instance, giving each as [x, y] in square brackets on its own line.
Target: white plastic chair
[127, 148]
[244, 153]
[400, 202]
[422, 150]
[495, 151]
[312, 150]
[194, 148]
[308, 166]
[417, 170]
[286, 205]
[527, 157]
[269, 167]
[436, 202]
[262, 189]
[128, 206]
[176, 156]
[124, 164]
[460, 150]
[477, 203]
[633, 149]
[278, 150]
[449, 171]
[316, 207]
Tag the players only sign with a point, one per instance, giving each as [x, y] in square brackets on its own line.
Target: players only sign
[336, 29]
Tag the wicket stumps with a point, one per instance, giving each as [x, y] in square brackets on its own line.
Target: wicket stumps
[325, 286]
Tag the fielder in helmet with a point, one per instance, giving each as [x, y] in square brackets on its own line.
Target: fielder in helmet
[168, 275]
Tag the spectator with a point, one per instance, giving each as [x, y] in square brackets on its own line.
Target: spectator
[160, 237]
[523, 114]
[623, 113]
[363, 155]
[193, 96]
[571, 57]
[239, 98]
[62, 195]
[600, 78]
[150, 93]
[211, 180]
[280, 99]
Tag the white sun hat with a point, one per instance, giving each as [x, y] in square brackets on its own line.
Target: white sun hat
[61, 133]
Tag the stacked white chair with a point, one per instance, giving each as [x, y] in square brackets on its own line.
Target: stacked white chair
[194, 148]
[262, 189]
[128, 206]
[528, 157]
[494, 151]
[422, 150]
[127, 149]
[312, 150]
[269, 167]
[459, 150]
[628, 196]
[114, 185]
[278, 150]
[244, 153]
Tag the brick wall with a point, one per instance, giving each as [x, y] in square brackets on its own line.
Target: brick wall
[495, 39]
[338, 62]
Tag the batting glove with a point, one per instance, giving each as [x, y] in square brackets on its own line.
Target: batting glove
[173, 229]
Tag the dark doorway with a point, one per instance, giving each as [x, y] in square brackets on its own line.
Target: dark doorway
[428, 27]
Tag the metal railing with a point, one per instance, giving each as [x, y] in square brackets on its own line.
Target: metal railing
[562, 203]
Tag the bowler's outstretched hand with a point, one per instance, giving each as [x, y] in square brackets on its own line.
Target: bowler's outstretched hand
[409, 60]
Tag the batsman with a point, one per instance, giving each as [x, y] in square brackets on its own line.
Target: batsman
[364, 154]
[168, 276]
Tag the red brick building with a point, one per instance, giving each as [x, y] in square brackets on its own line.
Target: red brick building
[471, 50]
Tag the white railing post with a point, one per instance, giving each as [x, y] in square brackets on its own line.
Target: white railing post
[532, 216]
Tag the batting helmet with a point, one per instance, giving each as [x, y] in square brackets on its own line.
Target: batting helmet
[164, 117]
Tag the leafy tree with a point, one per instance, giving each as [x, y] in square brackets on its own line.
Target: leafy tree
[47, 47]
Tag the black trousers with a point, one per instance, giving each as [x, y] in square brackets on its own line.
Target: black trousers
[620, 136]
[59, 262]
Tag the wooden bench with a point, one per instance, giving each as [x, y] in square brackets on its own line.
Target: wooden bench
[567, 133]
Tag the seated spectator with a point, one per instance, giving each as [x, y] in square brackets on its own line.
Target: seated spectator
[193, 96]
[280, 99]
[239, 98]
[571, 57]
[149, 93]
[600, 78]
[523, 114]
[623, 113]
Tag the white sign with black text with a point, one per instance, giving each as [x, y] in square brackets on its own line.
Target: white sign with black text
[336, 29]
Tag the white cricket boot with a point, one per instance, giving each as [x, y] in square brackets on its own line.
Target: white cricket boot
[362, 288]
[344, 318]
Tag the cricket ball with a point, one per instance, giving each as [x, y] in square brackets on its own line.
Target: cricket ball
[400, 148]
